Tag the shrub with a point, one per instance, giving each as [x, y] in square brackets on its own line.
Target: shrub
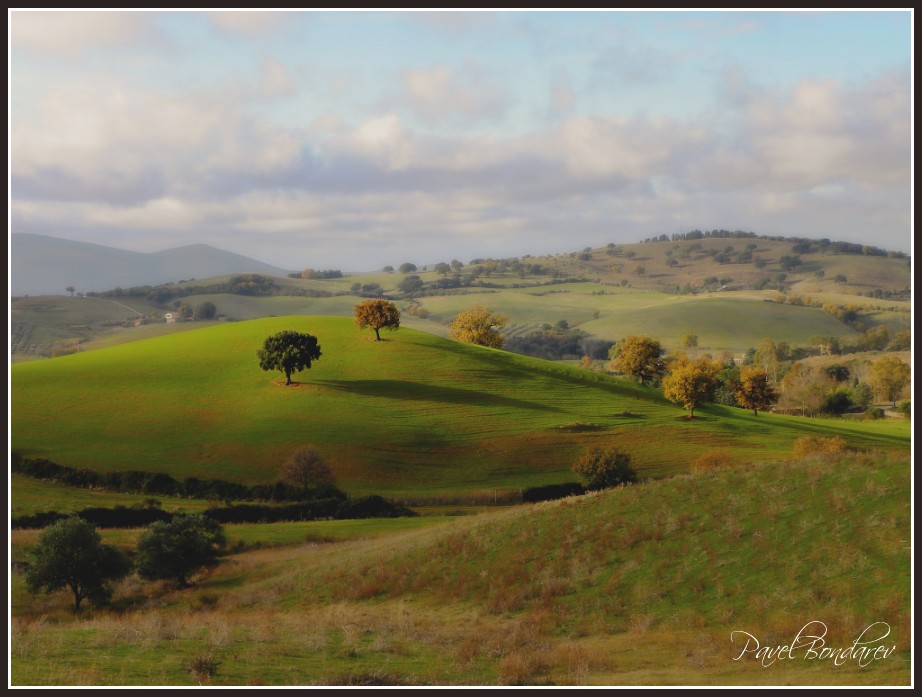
[874, 413]
[815, 446]
[601, 469]
[711, 460]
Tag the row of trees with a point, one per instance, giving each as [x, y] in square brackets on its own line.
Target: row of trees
[70, 555]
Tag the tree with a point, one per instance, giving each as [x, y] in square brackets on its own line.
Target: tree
[410, 284]
[306, 469]
[70, 289]
[754, 391]
[442, 268]
[805, 388]
[388, 269]
[70, 554]
[407, 268]
[640, 357]
[179, 548]
[690, 383]
[205, 311]
[377, 314]
[889, 376]
[479, 325]
[288, 351]
[601, 469]
[689, 340]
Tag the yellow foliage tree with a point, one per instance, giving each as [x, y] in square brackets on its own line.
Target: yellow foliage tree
[640, 357]
[377, 315]
[889, 376]
[479, 325]
[691, 382]
[754, 391]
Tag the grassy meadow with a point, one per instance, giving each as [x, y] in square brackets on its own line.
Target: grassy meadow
[635, 586]
[414, 416]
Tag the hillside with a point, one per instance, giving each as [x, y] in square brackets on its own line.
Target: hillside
[44, 265]
[415, 415]
[635, 586]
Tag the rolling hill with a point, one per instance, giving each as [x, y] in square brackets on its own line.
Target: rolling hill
[414, 416]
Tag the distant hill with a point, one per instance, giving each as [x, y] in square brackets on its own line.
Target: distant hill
[46, 265]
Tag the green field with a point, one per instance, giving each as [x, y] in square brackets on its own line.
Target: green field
[412, 416]
[636, 586]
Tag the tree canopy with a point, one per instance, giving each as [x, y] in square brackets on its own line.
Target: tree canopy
[306, 469]
[640, 357]
[754, 391]
[289, 352]
[601, 469]
[889, 375]
[377, 315]
[70, 554]
[179, 548]
[691, 382]
[479, 325]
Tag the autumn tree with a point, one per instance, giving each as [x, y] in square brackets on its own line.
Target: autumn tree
[306, 469]
[640, 357]
[754, 391]
[70, 554]
[805, 388]
[289, 352]
[479, 325]
[377, 315]
[689, 340]
[889, 376]
[691, 382]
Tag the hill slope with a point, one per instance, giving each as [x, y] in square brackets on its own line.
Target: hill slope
[46, 265]
[637, 586]
[415, 414]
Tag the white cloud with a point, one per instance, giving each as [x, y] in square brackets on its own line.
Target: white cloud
[248, 23]
[66, 34]
[444, 95]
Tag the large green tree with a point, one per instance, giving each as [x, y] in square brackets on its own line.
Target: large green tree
[179, 548]
[70, 554]
[289, 352]
[601, 469]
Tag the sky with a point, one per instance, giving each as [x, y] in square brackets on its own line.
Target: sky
[353, 140]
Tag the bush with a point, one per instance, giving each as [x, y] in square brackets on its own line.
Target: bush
[601, 469]
[874, 413]
[714, 459]
[815, 446]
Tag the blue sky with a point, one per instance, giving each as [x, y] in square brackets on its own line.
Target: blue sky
[358, 139]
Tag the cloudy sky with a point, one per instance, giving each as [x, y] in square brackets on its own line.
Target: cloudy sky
[356, 139]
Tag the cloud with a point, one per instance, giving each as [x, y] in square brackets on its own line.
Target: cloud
[67, 34]
[441, 95]
[249, 24]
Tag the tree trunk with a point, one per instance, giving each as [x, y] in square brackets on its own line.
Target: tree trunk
[755, 412]
[377, 335]
[287, 377]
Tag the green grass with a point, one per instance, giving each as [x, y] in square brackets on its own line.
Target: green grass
[412, 416]
[30, 496]
[641, 585]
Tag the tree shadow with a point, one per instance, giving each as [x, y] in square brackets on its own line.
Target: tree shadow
[405, 390]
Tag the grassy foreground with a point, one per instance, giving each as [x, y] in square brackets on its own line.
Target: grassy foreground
[636, 586]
